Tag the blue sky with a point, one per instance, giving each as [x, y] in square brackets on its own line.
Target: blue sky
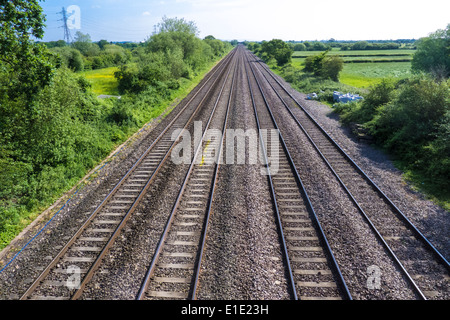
[133, 20]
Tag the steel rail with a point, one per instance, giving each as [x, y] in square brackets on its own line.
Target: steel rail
[360, 209]
[304, 193]
[91, 271]
[213, 187]
[170, 219]
[403, 217]
[64, 250]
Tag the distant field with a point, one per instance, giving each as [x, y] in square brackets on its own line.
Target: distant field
[366, 67]
[103, 80]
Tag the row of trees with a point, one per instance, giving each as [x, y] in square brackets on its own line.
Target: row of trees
[274, 49]
[83, 54]
[365, 45]
[172, 53]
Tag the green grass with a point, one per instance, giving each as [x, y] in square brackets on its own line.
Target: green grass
[363, 75]
[102, 80]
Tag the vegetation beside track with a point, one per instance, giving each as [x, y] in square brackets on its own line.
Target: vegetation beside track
[54, 129]
[406, 107]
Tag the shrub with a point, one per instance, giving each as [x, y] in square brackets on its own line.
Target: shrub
[314, 63]
[276, 49]
[299, 47]
[331, 67]
[70, 57]
[433, 54]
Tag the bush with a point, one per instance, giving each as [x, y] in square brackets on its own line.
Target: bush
[414, 114]
[325, 67]
[433, 54]
[313, 64]
[70, 57]
[331, 67]
[411, 120]
[276, 49]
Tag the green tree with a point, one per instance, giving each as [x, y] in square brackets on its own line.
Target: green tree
[177, 25]
[331, 67]
[102, 44]
[433, 54]
[278, 50]
[314, 63]
[70, 57]
[83, 43]
[299, 47]
[25, 66]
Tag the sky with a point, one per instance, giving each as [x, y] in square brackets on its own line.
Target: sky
[253, 20]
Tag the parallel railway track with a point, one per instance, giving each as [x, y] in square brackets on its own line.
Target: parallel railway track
[86, 249]
[312, 268]
[175, 267]
[418, 259]
[313, 271]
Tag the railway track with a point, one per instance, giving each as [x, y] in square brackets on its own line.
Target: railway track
[313, 271]
[67, 274]
[312, 268]
[421, 263]
[175, 267]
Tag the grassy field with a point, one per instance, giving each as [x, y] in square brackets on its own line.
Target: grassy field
[363, 75]
[103, 81]
[358, 72]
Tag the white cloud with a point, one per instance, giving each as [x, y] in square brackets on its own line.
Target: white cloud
[146, 13]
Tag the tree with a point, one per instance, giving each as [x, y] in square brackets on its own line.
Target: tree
[323, 66]
[331, 67]
[314, 63]
[278, 50]
[102, 44]
[25, 65]
[83, 43]
[299, 47]
[177, 25]
[433, 54]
